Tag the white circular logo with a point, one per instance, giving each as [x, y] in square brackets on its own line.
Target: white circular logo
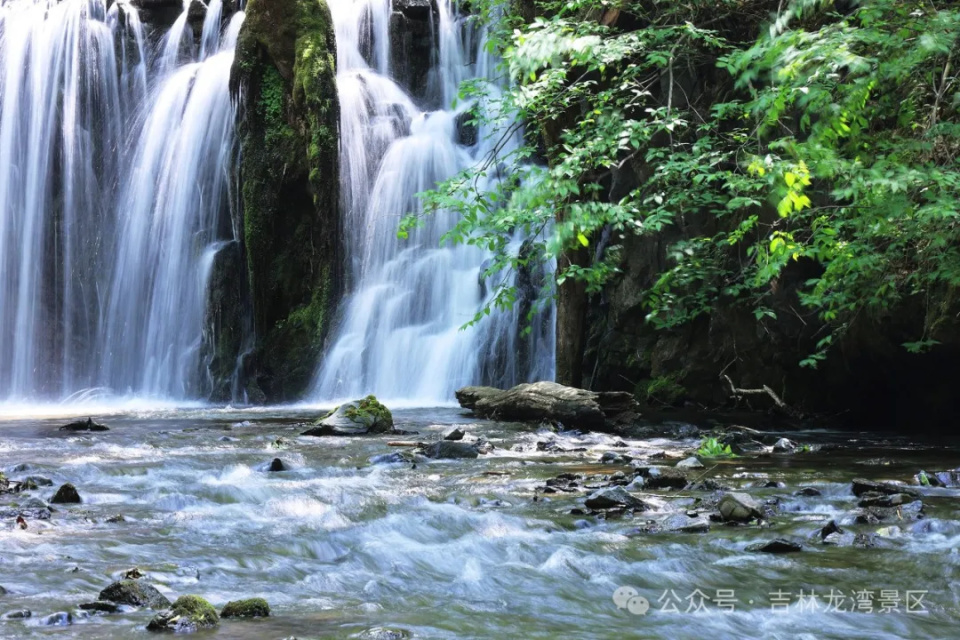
[623, 595]
[638, 605]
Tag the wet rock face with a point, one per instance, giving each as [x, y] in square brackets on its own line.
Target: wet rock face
[538, 401]
[412, 46]
[186, 615]
[134, 593]
[284, 75]
[354, 419]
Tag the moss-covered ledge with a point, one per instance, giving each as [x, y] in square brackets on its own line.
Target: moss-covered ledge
[284, 75]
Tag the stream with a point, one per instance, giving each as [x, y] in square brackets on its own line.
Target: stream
[346, 543]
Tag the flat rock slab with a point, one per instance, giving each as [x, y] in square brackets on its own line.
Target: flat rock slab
[861, 486]
[536, 401]
[780, 545]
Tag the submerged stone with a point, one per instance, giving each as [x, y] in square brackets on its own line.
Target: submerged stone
[186, 615]
[249, 608]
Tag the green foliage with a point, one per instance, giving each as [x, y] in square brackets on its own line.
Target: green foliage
[711, 448]
[829, 141]
[664, 390]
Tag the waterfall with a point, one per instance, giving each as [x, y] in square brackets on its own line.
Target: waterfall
[115, 166]
[402, 330]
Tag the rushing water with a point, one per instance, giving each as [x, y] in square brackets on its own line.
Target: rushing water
[402, 333]
[449, 549]
[114, 174]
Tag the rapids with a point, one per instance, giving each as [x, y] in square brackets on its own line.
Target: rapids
[448, 549]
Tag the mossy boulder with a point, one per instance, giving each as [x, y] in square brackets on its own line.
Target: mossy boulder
[353, 419]
[249, 608]
[188, 614]
[134, 593]
[284, 73]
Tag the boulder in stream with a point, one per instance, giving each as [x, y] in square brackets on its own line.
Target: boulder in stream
[739, 507]
[66, 494]
[249, 608]
[186, 615]
[537, 401]
[84, 425]
[613, 498]
[278, 465]
[19, 614]
[449, 449]
[135, 593]
[354, 418]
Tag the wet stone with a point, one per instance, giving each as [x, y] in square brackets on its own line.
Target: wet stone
[861, 486]
[453, 434]
[135, 593]
[690, 463]
[84, 425]
[100, 607]
[808, 492]
[66, 494]
[739, 507]
[278, 465]
[613, 498]
[58, 619]
[446, 449]
[779, 545]
[19, 614]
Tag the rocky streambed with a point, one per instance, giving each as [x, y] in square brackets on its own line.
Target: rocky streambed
[490, 529]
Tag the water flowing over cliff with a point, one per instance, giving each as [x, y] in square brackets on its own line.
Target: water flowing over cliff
[402, 333]
[115, 163]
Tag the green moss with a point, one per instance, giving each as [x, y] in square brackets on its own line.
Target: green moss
[249, 608]
[367, 408]
[663, 390]
[187, 613]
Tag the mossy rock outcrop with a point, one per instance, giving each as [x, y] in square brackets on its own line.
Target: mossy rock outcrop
[285, 75]
[188, 614]
[249, 608]
[354, 418]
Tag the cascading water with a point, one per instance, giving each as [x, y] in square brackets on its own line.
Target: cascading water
[114, 176]
[402, 330]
